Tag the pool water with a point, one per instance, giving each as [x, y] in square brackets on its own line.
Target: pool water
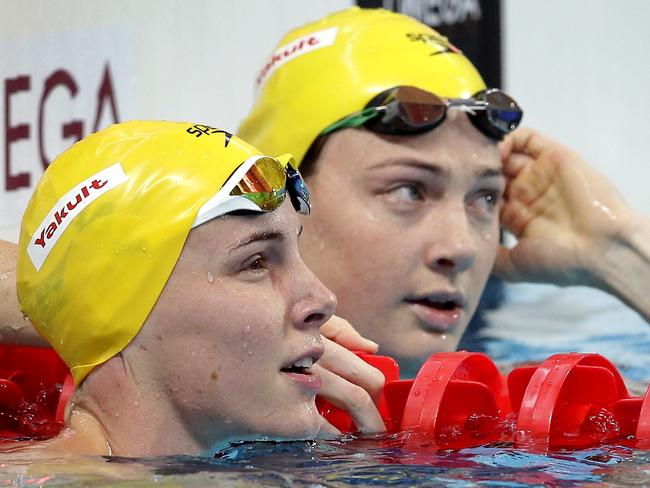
[349, 461]
[577, 321]
[540, 320]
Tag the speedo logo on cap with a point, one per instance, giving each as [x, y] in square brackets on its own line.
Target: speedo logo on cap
[300, 46]
[67, 208]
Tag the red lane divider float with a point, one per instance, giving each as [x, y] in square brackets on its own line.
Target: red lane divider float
[35, 386]
[460, 399]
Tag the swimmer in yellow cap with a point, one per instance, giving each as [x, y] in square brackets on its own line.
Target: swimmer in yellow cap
[384, 113]
[160, 260]
[405, 227]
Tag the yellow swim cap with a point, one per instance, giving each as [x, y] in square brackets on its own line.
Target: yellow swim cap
[330, 68]
[105, 227]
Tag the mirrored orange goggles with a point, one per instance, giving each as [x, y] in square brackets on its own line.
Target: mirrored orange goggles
[259, 184]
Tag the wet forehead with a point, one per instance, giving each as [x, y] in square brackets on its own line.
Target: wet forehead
[453, 147]
[224, 234]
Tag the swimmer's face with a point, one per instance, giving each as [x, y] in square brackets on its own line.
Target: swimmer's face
[238, 312]
[405, 231]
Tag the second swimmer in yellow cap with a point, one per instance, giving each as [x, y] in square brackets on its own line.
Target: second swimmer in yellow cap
[160, 260]
[384, 112]
[389, 114]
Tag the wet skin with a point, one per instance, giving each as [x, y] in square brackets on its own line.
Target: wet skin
[217, 353]
[405, 231]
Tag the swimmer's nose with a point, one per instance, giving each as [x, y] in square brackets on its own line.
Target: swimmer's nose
[451, 248]
[315, 302]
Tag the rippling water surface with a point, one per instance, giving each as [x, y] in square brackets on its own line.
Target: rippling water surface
[351, 461]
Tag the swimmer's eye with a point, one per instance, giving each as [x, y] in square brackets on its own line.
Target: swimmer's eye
[486, 201]
[254, 264]
[405, 193]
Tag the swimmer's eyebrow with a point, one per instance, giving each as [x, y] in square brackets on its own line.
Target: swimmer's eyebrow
[259, 236]
[435, 169]
[491, 173]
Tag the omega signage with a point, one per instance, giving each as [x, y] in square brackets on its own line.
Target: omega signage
[56, 88]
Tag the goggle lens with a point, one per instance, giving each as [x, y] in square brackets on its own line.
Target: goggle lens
[410, 110]
[262, 181]
[502, 111]
[418, 107]
[264, 184]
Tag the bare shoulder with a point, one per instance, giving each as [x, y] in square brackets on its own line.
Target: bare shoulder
[14, 329]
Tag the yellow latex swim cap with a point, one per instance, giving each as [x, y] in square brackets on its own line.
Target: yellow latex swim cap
[330, 68]
[105, 227]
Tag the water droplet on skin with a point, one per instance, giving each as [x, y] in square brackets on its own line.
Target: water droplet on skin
[117, 251]
[135, 403]
[443, 337]
[227, 420]
[143, 248]
[250, 353]
[371, 216]
[126, 248]
[149, 256]
[210, 278]
[247, 328]
[603, 208]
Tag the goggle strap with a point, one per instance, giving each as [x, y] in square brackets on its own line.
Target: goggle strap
[231, 203]
[354, 120]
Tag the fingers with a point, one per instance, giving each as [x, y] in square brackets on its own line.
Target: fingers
[348, 382]
[351, 398]
[504, 267]
[527, 141]
[340, 331]
[327, 430]
[515, 163]
[516, 215]
[344, 363]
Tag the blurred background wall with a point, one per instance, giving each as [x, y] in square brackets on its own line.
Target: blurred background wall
[580, 69]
